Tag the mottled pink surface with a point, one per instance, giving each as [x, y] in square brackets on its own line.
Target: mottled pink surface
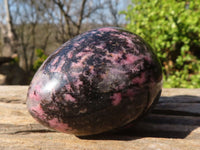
[98, 81]
[140, 79]
[107, 29]
[39, 112]
[68, 97]
[56, 124]
[117, 97]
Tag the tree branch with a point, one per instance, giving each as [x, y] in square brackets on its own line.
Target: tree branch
[61, 7]
[81, 16]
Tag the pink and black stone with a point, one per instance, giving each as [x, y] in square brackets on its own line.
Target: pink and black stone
[101, 80]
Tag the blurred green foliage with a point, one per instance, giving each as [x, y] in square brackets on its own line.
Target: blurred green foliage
[40, 58]
[172, 27]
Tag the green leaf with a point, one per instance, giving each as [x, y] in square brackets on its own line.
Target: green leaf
[172, 28]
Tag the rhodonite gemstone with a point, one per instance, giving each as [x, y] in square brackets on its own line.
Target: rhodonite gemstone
[100, 80]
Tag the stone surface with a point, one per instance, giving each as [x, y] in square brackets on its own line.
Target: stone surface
[166, 128]
[100, 80]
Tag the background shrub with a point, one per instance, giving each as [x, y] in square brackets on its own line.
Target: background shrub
[40, 58]
[172, 27]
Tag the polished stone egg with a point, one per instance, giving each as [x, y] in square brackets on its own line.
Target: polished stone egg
[100, 80]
